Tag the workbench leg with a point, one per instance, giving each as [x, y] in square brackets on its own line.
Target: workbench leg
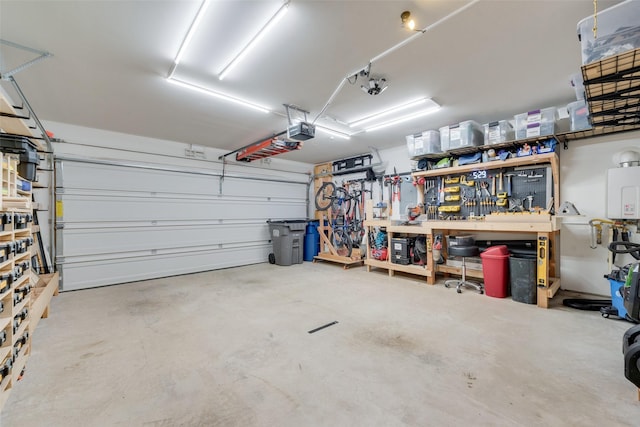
[543, 300]
[431, 265]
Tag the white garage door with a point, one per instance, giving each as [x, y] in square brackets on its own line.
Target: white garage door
[121, 222]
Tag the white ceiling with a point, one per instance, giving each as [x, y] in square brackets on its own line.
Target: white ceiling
[110, 60]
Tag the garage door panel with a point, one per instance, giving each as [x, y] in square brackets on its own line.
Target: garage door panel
[78, 208]
[241, 187]
[119, 223]
[81, 275]
[93, 176]
[101, 241]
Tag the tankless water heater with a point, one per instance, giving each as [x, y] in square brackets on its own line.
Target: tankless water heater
[623, 193]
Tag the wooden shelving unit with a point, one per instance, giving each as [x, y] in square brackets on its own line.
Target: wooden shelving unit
[28, 296]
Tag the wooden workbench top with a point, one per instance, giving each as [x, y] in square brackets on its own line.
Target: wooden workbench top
[472, 225]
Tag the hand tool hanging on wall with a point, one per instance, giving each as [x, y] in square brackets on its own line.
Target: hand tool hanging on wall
[509, 175]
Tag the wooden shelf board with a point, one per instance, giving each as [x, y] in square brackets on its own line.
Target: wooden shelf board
[539, 227]
[45, 289]
[514, 162]
[21, 361]
[23, 256]
[412, 269]
[5, 322]
[21, 329]
[5, 351]
[458, 271]
[346, 261]
[13, 125]
[22, 304]
[4, 264]
[377, 263]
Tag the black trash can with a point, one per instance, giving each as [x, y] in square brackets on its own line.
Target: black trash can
[522, 276]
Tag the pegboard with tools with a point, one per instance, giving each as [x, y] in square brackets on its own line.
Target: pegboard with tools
[483, 192]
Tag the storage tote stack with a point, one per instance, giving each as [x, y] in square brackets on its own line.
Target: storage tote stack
[423, 143]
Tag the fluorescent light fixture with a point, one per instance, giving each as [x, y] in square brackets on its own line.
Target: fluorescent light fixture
[219, 95]
[333, 132]
[270, 24]
[403, 118]
[394, 109]
[189, 36]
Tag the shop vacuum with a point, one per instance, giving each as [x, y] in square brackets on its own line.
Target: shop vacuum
[631, 338]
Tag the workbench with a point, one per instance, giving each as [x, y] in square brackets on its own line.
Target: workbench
[545, 228]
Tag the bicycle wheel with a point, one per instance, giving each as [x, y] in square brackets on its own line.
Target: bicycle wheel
[324, 196]
[341, 202]
[357, 232]
[342, 242]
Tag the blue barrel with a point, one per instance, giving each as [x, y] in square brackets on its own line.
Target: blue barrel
[311, 241]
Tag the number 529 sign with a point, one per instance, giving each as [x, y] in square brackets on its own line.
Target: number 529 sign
[479, 174]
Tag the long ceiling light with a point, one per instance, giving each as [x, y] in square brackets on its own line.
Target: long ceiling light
[403, 119]
[189, 36]
[392, 110]
[218, 95]
[270, 24]
[333, 132]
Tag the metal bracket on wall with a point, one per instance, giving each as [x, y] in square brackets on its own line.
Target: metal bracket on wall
[6, 75]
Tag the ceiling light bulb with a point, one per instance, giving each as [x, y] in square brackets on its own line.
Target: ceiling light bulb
[391, 110]
[403, 119]
[270, 24]
[333, 133]
[218, 95]
[407, 21]
[189, 36]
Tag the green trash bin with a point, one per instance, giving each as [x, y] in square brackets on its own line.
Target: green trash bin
[288, 241]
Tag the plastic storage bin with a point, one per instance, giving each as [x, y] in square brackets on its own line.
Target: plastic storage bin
[522, 277]
[495, 268]
[579, 115]
[423, 143]
[465, 134]
[444, 138]
[497, 132]
[288, 241]
[536, 123]
[28, 154]
[618, 31]
[577, 83]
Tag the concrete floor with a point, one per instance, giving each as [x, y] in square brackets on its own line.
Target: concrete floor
[231, 348]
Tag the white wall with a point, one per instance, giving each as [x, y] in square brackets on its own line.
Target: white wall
[583, 179]
[98, 143]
